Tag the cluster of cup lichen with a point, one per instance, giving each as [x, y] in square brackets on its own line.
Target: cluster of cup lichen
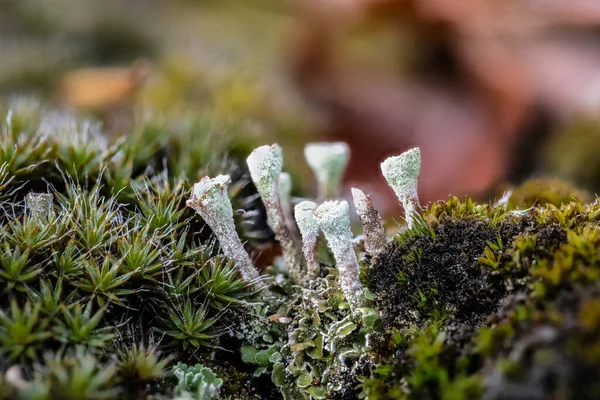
[468, 301]
[114, 287]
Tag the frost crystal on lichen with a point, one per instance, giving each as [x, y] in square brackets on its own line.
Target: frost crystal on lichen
[402, 173]
[210, 200]
[333, 218]
[328, 162]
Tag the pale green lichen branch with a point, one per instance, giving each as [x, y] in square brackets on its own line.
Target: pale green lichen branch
[333, 218]
[210, 199]
[328, 162]
[373, 230]
[402, 174]
[309, 229]
[265, 164]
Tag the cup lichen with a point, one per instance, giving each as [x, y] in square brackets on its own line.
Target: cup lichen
[309, 229]
[210, 199]
[265, 164]
[333, 218]
[402, 174]
[328, 160]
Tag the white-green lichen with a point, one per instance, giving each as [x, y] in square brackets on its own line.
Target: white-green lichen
[333, 218]
[210, 199]
[196, 382]
[328, 162]
[402, 174]
[265, 164]
[309, 229]
[373, 230]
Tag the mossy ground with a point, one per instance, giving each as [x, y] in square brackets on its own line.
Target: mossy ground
[120, 276]
[487, 302]
[120, 291]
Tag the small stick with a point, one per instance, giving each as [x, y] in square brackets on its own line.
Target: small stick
[285, 199]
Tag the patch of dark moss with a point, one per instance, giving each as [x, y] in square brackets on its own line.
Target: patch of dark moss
[439, 273]
[462, 259]
[453, 290]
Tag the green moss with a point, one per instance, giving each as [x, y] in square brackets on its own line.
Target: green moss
[119, 290]
[119, 253]
[498, 281]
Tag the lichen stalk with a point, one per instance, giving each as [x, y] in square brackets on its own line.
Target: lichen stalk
[285, 199]
[210, 199]
[265, 165]
[402, 174]
[309, 229]
[328, 162]
[333, 218]
[369, 217]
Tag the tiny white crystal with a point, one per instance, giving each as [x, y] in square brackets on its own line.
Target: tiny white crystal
[210, 199]
[333, 218]
[328, 160]
[402, 174]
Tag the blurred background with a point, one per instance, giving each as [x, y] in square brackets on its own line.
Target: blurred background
[493, 91]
